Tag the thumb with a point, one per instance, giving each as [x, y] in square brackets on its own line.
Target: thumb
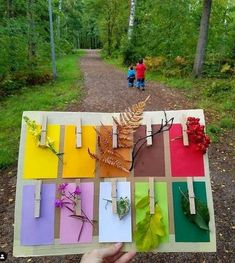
[110, 251]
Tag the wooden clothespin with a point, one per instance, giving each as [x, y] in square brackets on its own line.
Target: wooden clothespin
[115, 135]
[78, 208]
[44, 131]
[78, 134]
[149, 131]
[114, 195]
[191, 195]
[37, 198]
[184, 130]
[151, 196]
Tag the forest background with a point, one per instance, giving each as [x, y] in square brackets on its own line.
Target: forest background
[165, 33]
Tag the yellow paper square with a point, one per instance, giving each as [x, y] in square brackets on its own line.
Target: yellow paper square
[77, 162]
[39, 162]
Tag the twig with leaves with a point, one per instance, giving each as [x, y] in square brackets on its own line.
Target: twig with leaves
[123, 206]
[68, 201]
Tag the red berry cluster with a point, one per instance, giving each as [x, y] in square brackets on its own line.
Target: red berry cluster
[197, 134]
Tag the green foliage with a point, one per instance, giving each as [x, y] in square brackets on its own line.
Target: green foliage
[202, 218]
[123, 207]
[213, 132]
[150, 230]
[52, 96]
[219, 91]
[128, 52]
[144, 202]
[227, 123]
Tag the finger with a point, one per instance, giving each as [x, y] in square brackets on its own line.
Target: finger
[112, 259]
[110, 251]
[126, 257]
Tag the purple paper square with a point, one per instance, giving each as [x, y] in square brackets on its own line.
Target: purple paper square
[38, 231]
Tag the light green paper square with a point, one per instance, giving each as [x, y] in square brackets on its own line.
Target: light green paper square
[141, 190]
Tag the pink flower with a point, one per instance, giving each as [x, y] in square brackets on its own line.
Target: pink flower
[77, 191]
[59, 203]
[62, 187]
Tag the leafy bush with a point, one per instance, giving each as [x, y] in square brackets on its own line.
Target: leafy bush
[218, 90]
[129, 53]
[154, 63]
[8, 87]
[11, 85]
[218, 67]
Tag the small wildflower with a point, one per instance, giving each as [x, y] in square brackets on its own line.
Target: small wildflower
[59, 203]
[62, 187]
[77, 191]
[36, 130]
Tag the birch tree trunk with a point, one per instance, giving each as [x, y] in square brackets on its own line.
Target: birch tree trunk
[202, 39]
[131, 18]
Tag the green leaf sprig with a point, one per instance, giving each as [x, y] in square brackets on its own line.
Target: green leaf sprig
[202, 217]
[150, 230]
[123, 206]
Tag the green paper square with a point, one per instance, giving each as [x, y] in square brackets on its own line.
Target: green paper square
[185, 231]
[141, 190]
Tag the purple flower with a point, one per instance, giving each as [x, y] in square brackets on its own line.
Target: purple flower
[59, 203]
[62, 187]
[77, 191]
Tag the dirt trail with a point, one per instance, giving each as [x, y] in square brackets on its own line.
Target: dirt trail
[106, 90]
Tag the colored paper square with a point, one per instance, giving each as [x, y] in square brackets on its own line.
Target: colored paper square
[39, 162]
[107, 170]
[160, 189]
[185, 231]
[38, 231]
[76, 161]
[150, 159]
[70, 227]
[111, 228]
[185, 160]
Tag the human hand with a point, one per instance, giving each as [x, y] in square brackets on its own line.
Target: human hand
[111, 254]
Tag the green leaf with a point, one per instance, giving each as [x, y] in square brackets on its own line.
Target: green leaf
[143, 202]
[202, 217]
[149, 230]
[123, 207]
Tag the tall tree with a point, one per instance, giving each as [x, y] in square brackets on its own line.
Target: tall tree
[31, 35]
[131, 18]
[202, 39]
[52, 40]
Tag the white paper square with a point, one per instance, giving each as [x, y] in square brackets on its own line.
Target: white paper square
[111, 228]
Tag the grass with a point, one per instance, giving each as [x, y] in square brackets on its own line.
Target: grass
[55, 95]
[216, 96]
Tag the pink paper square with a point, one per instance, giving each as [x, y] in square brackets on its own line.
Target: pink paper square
[70, 226]
[185, 160]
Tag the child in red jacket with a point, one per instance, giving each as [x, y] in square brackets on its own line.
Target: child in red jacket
[140, 74]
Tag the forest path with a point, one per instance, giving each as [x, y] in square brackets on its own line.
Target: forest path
[106, 90]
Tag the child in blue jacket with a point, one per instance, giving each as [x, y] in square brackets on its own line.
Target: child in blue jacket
[131, 76]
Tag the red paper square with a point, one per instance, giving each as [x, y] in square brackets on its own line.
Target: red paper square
[185, 160]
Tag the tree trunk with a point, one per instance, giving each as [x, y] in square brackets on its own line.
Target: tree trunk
[131, 18]
[58, 19]
[202, 39]
[52, 41]
[31, 36]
